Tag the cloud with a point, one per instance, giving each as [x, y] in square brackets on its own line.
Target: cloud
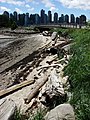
[28, 1]
[49, 4]
[27, 6]
[32, 1]
[79, 4]
[13, 2]
[18, 10]
[52, 8]
[30, 9]
[2, 8]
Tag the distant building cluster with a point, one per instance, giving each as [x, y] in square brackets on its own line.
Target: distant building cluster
[35, 19]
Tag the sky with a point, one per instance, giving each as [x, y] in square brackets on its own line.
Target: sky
[76, 7]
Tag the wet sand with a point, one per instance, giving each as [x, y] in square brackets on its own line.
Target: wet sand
[17, 48]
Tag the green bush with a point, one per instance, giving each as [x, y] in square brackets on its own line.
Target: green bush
[13, 26]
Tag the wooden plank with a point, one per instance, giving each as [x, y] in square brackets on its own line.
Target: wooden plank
[15, 88]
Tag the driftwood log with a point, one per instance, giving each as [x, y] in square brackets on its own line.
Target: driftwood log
[7, 109]
[52, 65]
[62, 44]
[52, 92]
[15, 88]
[33, 93]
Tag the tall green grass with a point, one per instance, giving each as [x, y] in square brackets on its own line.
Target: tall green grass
[78, 71]
[38, 115]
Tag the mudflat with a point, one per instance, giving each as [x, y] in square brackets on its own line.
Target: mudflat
[14, 48]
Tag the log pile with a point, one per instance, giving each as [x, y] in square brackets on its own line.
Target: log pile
[46, 72]
[50, 90]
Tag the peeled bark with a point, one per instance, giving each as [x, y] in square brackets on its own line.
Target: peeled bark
[52, 91]
[33, 93]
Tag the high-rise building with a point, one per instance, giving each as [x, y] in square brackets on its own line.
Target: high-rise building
[49, 17]
[6, 13]
[62, 18]
[55, 17]
[15, 16]
[82, 19]
[66, 19]
[37, 19]
[21, 19]
[26, 19]
[42, 16]
[11, 17]
[32, 19]
[72, 18]
[45, 19]
[77, 20]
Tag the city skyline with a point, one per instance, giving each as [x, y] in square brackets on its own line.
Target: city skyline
[75, 7]
[26, 19]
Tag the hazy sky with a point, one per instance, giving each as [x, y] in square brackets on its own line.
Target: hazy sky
[76, 7]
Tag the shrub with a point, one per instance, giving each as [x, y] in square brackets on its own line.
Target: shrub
[13, 26]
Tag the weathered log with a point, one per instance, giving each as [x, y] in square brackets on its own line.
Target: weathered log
[51, 60]
[62, 44]
[63, 59]
[53, 91]
[15, 88]
[33, 93]
[7, 109]
[54, 35]
[47, 66]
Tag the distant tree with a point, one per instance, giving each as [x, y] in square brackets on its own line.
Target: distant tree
[4, 21]
[88, 23]
[13, 26]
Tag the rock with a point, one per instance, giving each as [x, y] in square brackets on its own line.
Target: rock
[61, 112]
[54, 35]
[7, 109]
[45, 33]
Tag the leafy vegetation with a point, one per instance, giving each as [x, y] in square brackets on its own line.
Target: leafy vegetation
[6, 22]
[13, 26]
[17, 115]
[39, 115]
[78, 71]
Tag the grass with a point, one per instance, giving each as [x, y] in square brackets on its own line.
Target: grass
[78, 71]
[39, 115]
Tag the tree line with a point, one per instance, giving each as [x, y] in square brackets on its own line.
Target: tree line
[7, 22]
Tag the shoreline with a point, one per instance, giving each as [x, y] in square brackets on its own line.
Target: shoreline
[21, 51]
